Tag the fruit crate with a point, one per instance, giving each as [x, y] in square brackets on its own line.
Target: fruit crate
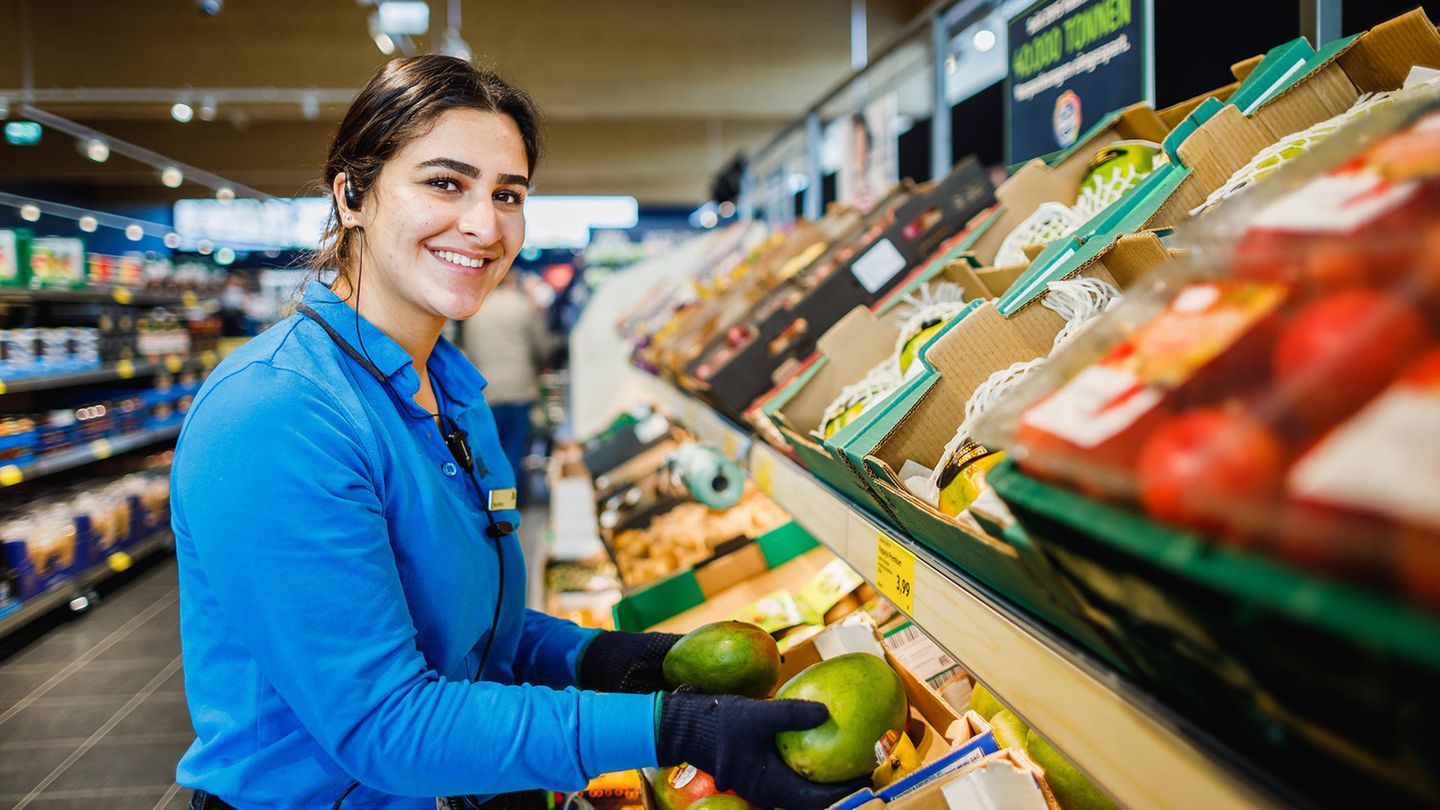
[1291, 669]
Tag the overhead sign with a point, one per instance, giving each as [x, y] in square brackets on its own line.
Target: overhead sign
[1071, 62]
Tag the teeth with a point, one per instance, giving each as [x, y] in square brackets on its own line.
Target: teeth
[463, 261]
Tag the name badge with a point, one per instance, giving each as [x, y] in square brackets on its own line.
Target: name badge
[502, 498]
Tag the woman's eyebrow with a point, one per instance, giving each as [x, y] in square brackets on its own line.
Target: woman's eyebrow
[458, 166]
[513, 179]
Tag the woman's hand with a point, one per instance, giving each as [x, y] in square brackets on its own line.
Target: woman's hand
[733, 740]
[625, 662]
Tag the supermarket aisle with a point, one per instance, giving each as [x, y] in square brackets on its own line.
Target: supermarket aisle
[94, 712]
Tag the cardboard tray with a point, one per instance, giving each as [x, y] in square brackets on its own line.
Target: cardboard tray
[787, 335]
[1332, 687]
[786, 553]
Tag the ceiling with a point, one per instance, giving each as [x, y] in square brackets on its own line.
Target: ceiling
[641, 97]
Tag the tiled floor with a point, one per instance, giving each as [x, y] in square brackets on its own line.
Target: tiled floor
[92, 712]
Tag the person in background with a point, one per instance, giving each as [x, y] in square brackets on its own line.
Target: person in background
[508, 342]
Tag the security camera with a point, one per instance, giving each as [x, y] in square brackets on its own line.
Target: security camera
[209, 8]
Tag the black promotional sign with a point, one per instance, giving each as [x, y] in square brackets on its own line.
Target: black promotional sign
[1071, 62]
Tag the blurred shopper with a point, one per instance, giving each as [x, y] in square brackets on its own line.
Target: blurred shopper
[508, 342]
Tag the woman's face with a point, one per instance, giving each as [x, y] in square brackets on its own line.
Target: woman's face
[445, 217]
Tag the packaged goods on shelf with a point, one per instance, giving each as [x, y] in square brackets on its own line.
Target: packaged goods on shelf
[57, 262]
[53, 539]
[1197, 451]
[687, 534]
[14, 257]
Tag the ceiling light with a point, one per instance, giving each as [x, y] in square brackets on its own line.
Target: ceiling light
[181, 112]
[225, 194]
[134, 232]
[708, 218]
[172, 240]
[30, 212]
[983, 40]
[207, 108]
[310, 105]
[203, 247]
[88, 224]
[727, 209]
[97, 150]
[224, 256]
[172, 177]
[385, 43]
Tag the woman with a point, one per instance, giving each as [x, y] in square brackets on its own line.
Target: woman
[352, 590]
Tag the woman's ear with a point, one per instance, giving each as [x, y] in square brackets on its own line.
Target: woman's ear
[346, 201]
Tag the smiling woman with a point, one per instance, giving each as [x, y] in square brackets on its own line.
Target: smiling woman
[352, 590]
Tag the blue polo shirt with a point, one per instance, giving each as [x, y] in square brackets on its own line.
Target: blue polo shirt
[337, 588]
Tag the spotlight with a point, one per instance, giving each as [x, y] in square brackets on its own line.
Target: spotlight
[708, 218]
[727, 209]
[172, 177]
[225, 194]
[224, 256]
[172, 240]
[207, 108]
[385, 43]
[134, 232]
[181, 112]
[983, 40]
[203, 247]
[97, 150]
[88, 224]
[30, 212]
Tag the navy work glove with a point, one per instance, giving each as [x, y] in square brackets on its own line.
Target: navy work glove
[733, 739]
[617, 661]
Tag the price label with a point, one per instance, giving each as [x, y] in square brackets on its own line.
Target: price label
[2, 386]
[119, 561]
[173, 363]
[188, 298]
[895, 573]
[125, 369]
[101, 448]
[10, 475]
[123, 295]
[765, 473]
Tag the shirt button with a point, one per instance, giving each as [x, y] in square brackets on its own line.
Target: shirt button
[450, 469]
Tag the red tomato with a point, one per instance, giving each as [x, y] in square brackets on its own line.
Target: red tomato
[1199, 468]
[1342, 350]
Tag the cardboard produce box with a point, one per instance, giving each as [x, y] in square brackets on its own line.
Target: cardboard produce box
[918, 427]
[966, 788]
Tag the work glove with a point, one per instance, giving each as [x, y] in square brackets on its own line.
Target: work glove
[625, 662]
[733, 739]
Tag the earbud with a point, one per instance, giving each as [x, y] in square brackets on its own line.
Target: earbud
[352, 200]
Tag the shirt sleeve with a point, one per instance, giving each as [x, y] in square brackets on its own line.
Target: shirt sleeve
[550, 650]
[280, 501]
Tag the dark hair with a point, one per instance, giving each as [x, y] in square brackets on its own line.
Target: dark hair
[400, 103]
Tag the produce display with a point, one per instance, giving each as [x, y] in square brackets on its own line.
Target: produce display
[688, 534]
[1238, 401]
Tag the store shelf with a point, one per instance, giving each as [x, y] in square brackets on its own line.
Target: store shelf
[1143, 754]
[62, 592]
[122, 370]
[89, 295]
[96, 450]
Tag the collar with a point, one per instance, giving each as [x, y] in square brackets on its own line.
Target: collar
[368, 339]
[462, 382]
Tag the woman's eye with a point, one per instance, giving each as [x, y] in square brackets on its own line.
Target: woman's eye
[509, 197]
[445, 184]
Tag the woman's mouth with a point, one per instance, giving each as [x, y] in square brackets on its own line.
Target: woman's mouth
[459, 261]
